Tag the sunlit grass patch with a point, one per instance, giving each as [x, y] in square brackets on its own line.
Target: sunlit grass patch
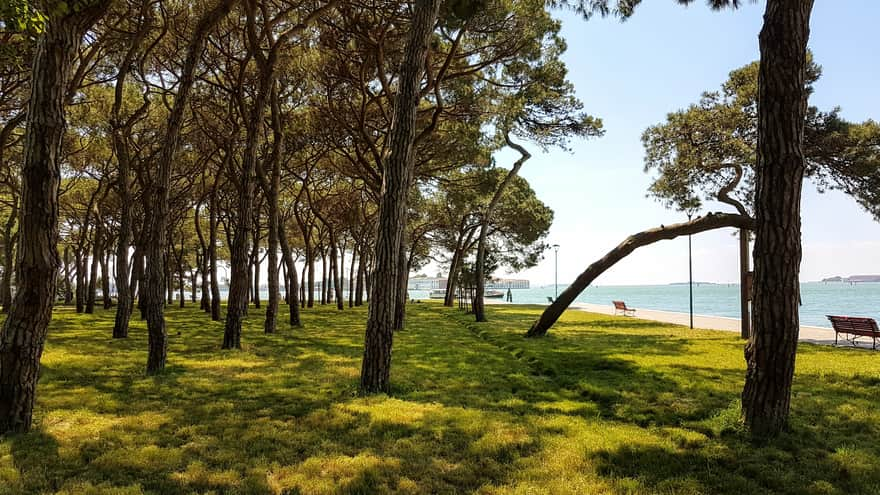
[602, 405]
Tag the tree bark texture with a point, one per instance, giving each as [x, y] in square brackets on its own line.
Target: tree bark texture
[391, 222]
[154, 304]
[24, 331]
[779, 172]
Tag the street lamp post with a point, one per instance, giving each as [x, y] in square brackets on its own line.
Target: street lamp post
[555, 272]
[691, 273]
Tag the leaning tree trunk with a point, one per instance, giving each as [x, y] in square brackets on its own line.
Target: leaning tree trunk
[700, 224]
[782, 104]
[485, 218]
[391, 222]
[154, 307]
[24, 331]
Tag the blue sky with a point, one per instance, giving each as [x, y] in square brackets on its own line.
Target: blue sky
[631, 75]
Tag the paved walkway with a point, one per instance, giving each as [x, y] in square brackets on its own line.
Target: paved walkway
[815, 335]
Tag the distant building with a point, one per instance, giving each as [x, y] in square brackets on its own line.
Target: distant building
[426, 283]
[507, 283]
[434, 283]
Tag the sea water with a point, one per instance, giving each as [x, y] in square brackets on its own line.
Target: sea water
[818, 298]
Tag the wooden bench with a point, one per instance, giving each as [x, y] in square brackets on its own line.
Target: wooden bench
[855, 327]
[620, 307]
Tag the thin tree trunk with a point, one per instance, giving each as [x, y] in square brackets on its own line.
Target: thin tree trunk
[304, 288]
[212, 257]
[256, 264]
[205, 304]
[711, 221]
[154, 304]
[334, 260]
[779, 174]
[24, 331]
[105, 280]
[68, 290]
[93, 270]
[287, 255]
[396, 181]
[351, 276]
[324, 284]
[485, 219]
[359, 286]
[402, 280]
[80, 280]
[119, 133]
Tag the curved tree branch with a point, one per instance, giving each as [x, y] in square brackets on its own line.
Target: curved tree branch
[711, 221]
[724, 193]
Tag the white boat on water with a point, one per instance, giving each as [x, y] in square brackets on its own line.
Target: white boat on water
[437, 294]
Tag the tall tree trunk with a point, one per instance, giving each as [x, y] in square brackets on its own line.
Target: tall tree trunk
[24, 331]
[212, 257]
[700, 224]
[119, 131]
[402, 281]
[303, 295]
[255, 250]
[80, 297]
[396, 180]
[782, 104]
[359, 286]
[105, 280]
[93, 269]
[337, 287]
[485, 219]
[68, 290]
[287, 255]
[351, 276]
[154, 303]
[202, 262]
[272, 190]
[324, 284]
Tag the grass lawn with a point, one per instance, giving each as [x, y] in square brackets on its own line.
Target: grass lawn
[602, 405]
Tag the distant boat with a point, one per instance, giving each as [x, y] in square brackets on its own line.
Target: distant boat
[437, 294]
[493, 294]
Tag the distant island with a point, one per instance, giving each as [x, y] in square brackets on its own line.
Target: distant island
[854, 279]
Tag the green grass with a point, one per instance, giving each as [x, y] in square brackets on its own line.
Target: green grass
[602, 405]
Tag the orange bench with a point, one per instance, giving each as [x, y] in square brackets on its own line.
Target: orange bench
[855, 327]
[620, 307]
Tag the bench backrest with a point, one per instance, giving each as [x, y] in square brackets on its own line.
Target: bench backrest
[619, 304]
[853, 323]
